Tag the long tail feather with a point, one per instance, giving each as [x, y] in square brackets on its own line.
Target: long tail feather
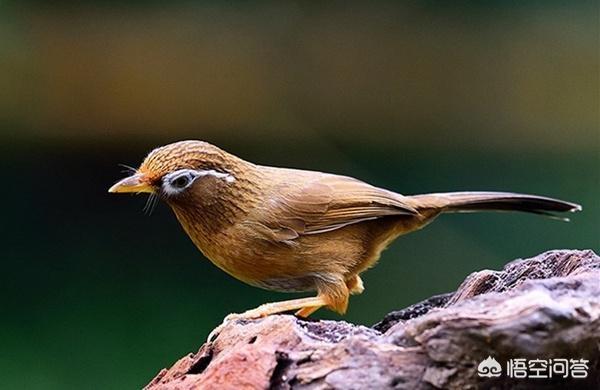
[464, 202]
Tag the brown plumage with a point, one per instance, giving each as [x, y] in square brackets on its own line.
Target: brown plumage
[296, 230]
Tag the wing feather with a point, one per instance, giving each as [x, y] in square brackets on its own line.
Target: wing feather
[319, 203]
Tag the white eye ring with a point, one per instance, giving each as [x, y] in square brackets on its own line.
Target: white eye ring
[181, 181]
[176, 182]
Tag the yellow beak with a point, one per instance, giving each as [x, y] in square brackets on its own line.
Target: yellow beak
[135, 183]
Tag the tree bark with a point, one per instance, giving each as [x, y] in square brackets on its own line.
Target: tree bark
[545, 307]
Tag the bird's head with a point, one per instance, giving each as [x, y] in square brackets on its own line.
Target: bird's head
[186, 172]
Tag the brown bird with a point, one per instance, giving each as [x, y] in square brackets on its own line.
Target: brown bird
[293, 230]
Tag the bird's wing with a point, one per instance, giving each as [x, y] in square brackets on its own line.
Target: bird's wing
[321, 203]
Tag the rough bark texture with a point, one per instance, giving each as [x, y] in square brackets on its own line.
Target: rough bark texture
[544, 307]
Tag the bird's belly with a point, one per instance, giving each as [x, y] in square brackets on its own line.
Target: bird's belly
[282, 270]
[303, 265]
[287, 284]
[310, 261]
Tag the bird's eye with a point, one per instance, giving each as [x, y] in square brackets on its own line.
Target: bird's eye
[176, 182]
[182, 181]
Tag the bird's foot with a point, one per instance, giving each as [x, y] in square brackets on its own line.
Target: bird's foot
[247, 315]
[307, 306]
[216, 331]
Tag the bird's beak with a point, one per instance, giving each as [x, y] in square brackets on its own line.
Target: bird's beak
[135, 183]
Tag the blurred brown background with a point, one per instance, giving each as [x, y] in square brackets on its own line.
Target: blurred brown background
[519, 74]
[416, 97]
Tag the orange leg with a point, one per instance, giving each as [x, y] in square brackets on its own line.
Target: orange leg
[271, 308]
[307, 311]
[334, 296]
[280, 307]
[354, 286]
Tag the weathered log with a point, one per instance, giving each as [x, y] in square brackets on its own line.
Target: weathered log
[545, 307]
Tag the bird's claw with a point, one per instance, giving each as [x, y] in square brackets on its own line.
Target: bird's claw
[247, 315]
[233, 317]
[216, 331]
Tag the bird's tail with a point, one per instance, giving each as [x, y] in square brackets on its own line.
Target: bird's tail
[466, 202]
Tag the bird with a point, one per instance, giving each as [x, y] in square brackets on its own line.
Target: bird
[293, 230]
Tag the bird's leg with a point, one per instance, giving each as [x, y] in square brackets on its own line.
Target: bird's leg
[354, 285]
[280, 307]
[332, 295]
[307, 311]
[272, 308]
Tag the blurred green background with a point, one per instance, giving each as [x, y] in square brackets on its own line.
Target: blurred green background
[415, 97]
